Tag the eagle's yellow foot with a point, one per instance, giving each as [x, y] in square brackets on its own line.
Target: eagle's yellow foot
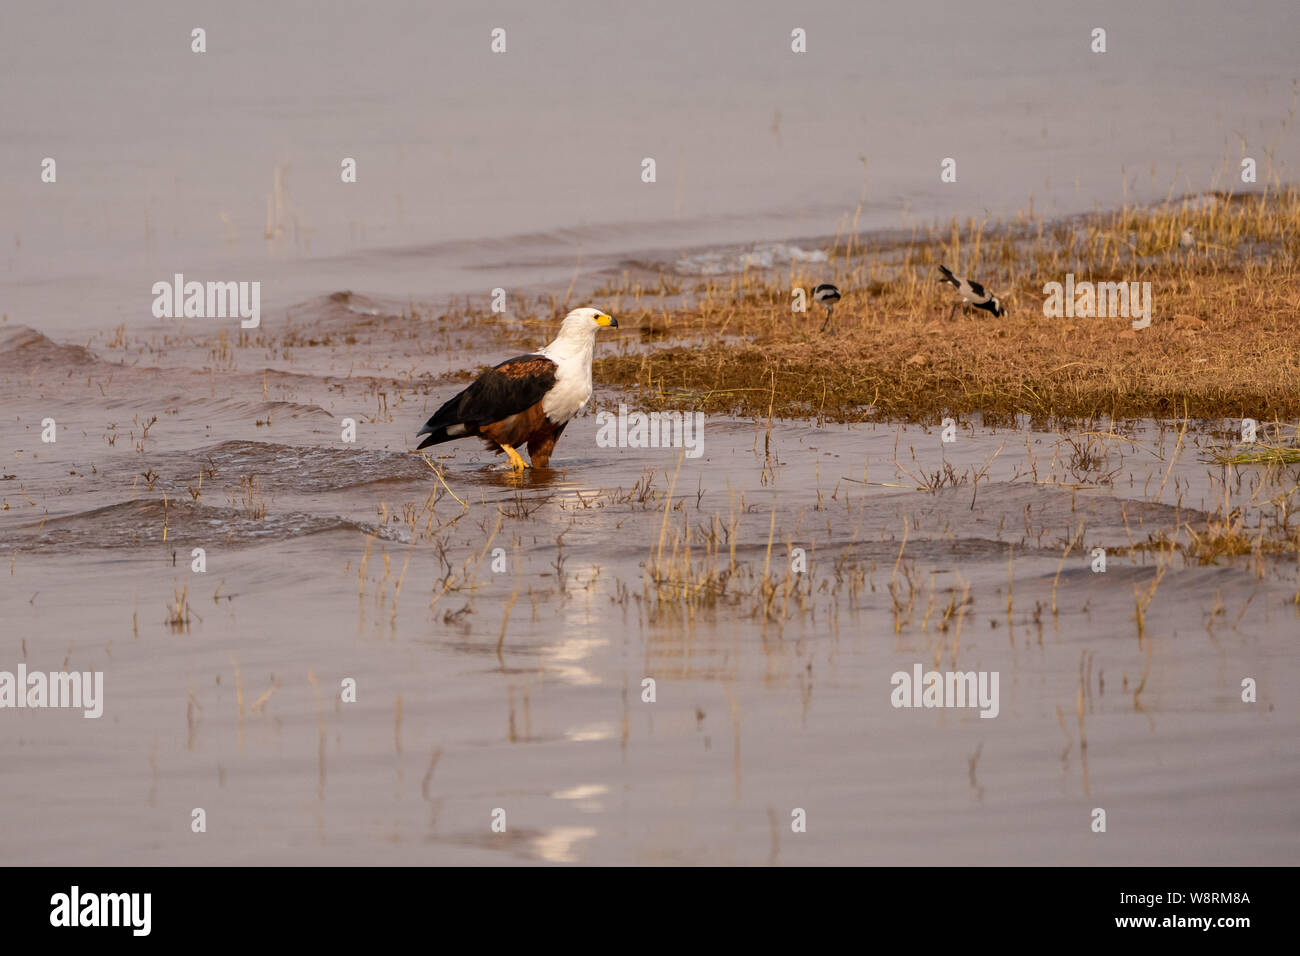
[516, 460]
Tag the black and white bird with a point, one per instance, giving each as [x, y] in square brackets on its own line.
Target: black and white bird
[827, 295]
[972, 292]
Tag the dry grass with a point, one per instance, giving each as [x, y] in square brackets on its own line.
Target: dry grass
[1263, 455]
[249, 498]
[1224, 339]
[178, 611]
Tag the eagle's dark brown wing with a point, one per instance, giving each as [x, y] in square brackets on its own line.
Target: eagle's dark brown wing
[512, 387]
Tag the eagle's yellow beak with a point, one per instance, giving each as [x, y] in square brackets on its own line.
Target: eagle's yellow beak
[609, 320]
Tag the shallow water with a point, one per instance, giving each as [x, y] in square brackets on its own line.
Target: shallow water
[483, 685]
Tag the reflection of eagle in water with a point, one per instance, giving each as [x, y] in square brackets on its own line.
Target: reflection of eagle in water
[526, 400]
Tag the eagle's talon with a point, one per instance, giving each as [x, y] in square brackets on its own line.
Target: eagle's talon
[516, 460]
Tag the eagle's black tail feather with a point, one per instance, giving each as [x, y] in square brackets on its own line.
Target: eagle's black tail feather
[440, 422]
[436, 437]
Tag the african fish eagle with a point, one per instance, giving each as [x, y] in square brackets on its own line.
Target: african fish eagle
[526, 400]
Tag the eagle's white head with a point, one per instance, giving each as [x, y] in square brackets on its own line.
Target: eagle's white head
[586, 321]
[577, 334]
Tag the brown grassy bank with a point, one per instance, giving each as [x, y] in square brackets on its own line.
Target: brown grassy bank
[1224, 340]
